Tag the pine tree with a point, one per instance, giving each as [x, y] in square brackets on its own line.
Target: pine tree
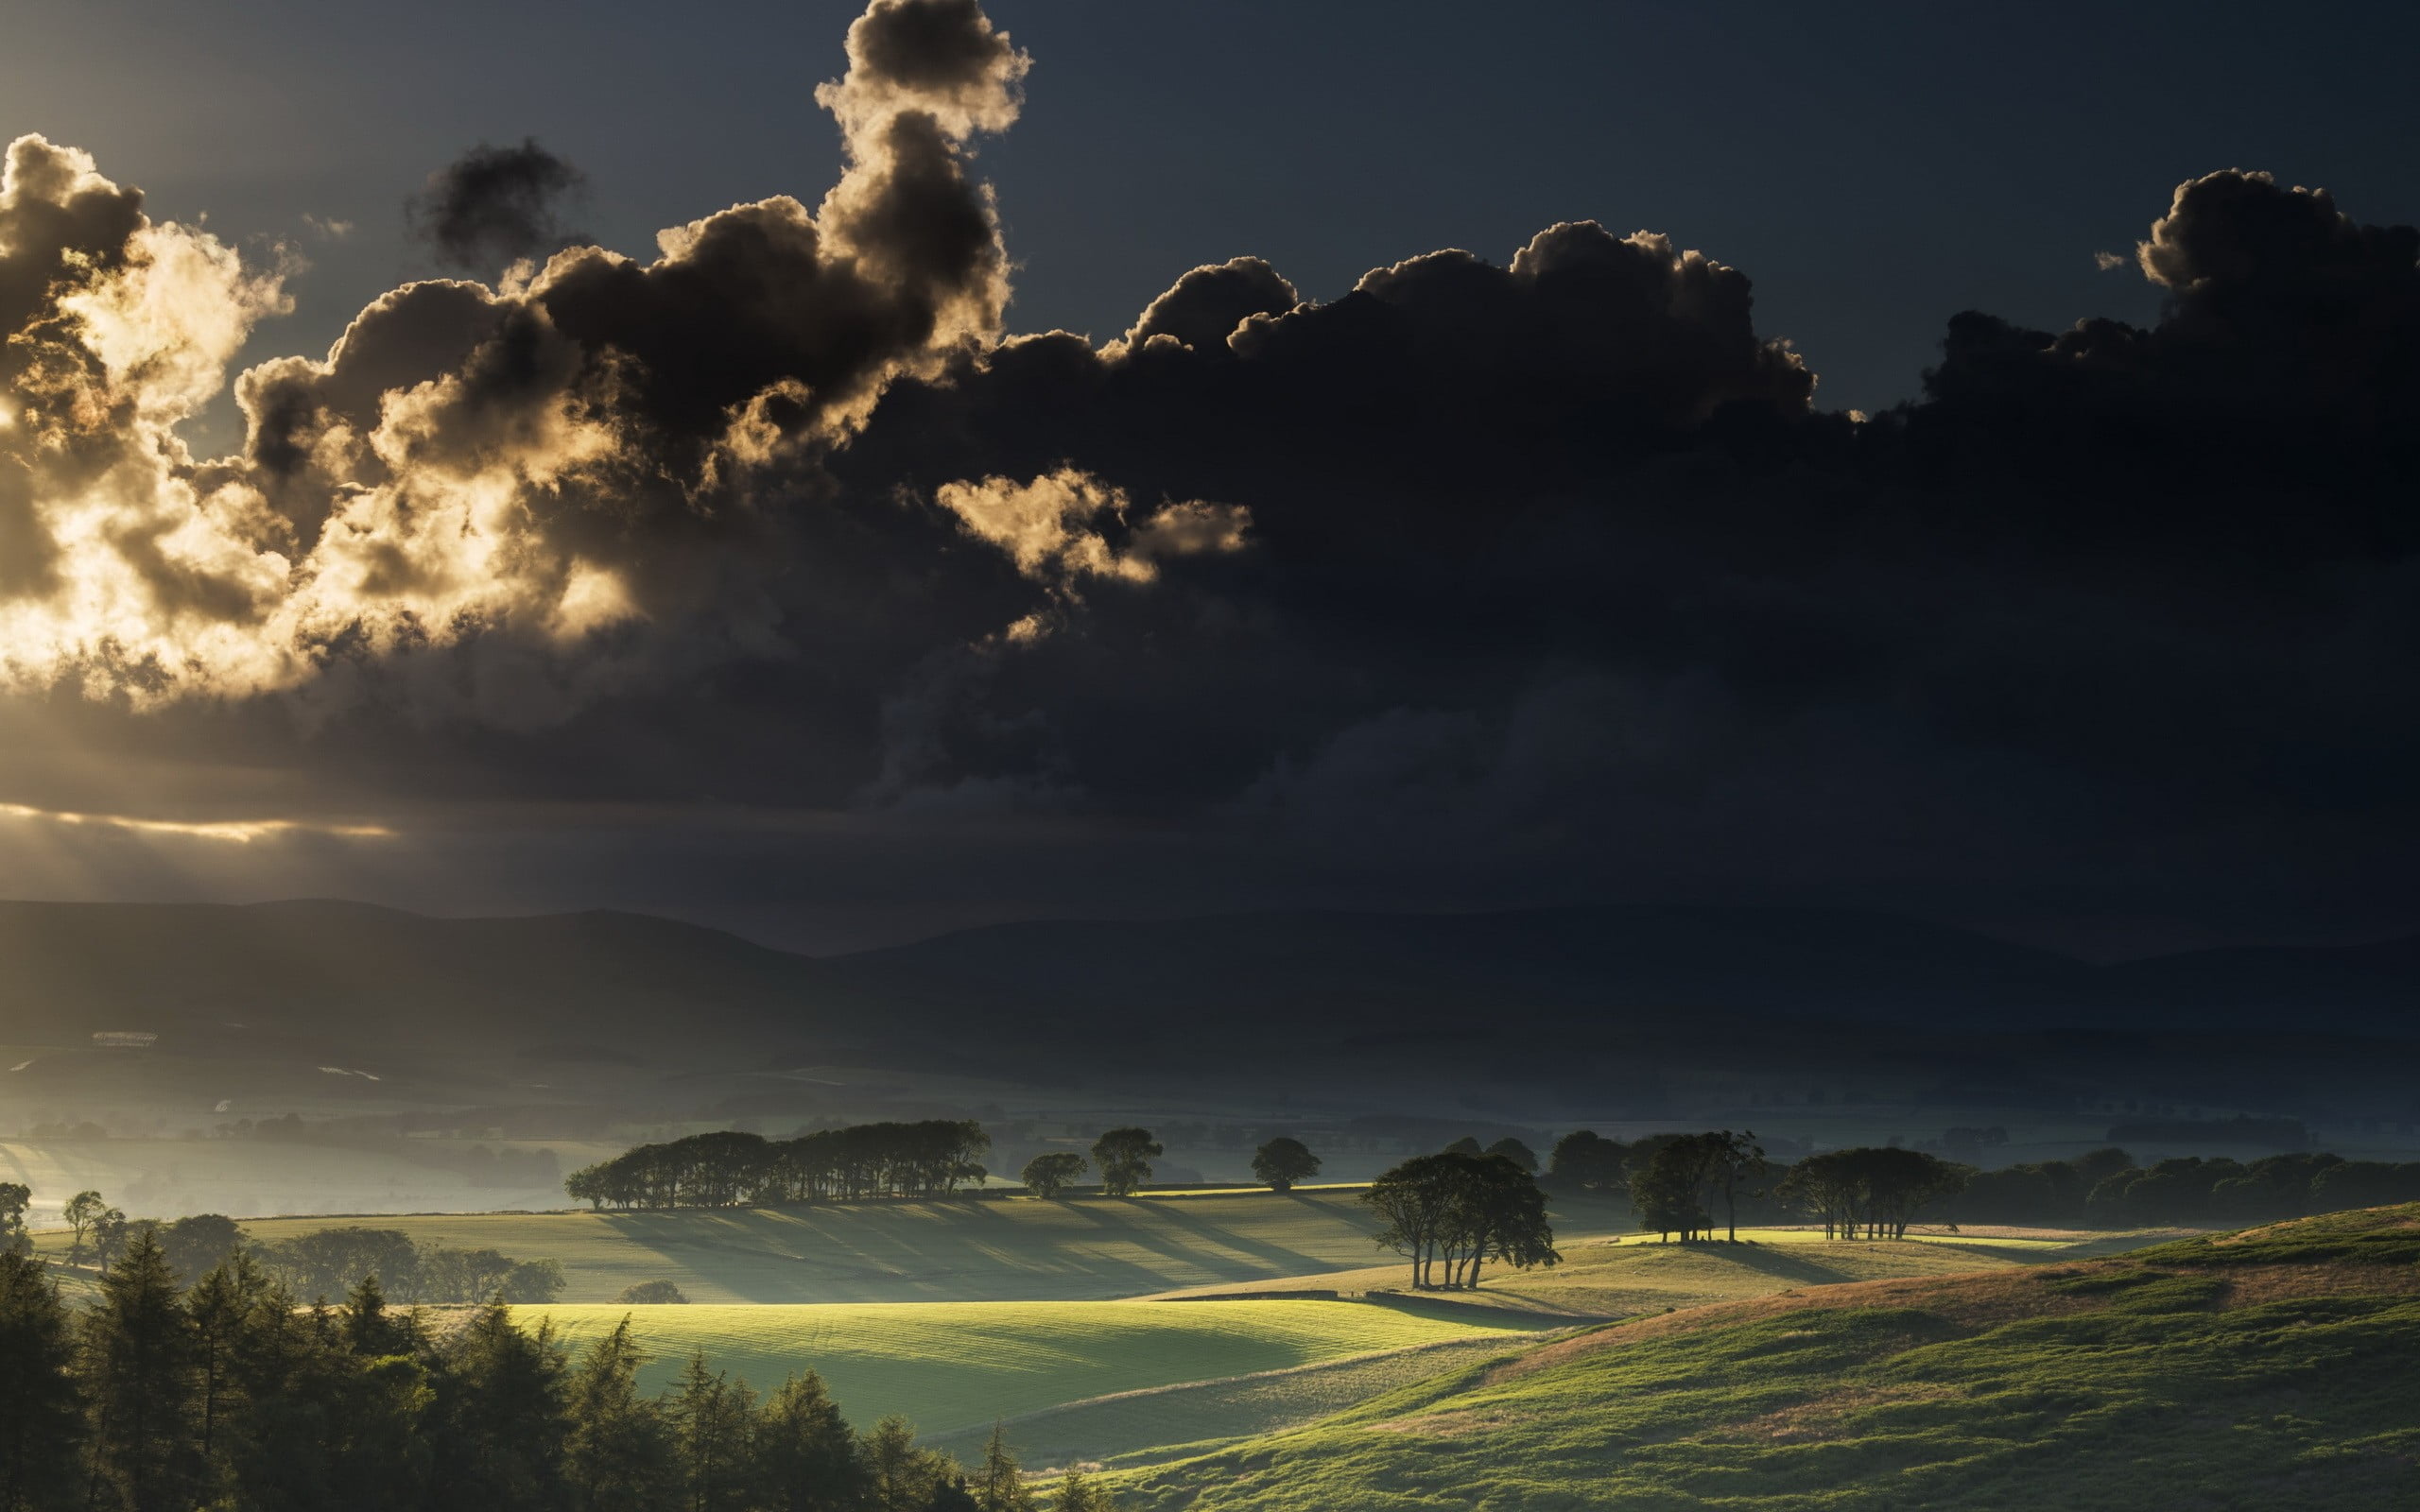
[711, 1418]
[42, 1423]
[371, 1327]
[139, 1368]
[806, 1458]
[999, 1486]
[903, 1476]
[500, 1417]
[619, 1456]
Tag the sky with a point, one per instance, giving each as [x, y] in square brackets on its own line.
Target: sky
[781, 572]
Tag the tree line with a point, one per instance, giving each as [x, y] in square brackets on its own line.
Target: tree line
[323, 1263]
[230, 1394]
[1678, 1184]
[732, 1169]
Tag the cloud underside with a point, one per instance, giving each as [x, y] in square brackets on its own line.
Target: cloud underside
[1557, 559]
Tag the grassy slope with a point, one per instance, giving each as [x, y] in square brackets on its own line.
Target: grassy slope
[964, 1251]
[958, 1365]
[2265, 1369]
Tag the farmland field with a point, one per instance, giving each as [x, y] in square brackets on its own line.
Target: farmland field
[957, 1366]
[2265, 1369]
[958, 1251]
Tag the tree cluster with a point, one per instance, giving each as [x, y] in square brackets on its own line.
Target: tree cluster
[731, 1169]
[1680, 1179]
[1872, 1193]
[158, 1398]
[323, 1263]
[1453, 1211]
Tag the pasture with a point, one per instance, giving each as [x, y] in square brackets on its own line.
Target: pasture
[2266, 1369]
[968, 1250]
[957, 1366]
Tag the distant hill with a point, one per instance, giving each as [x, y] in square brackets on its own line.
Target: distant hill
[596, 983]
[603, 987]
[1402, 974]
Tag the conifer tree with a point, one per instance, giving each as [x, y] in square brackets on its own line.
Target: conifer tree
[806, 1458]
[42, 1424]
[500, 1417]
[139, 1369]
[999, 1486]
[619, 1456]
[711, 1418]
[903, 1476]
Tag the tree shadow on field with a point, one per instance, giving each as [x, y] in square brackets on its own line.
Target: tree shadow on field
[1284, 1262]
[1771, 1260]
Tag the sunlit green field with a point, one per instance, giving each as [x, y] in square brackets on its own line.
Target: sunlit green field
[959, 1364]
[2265, 1370]
[961, 1251]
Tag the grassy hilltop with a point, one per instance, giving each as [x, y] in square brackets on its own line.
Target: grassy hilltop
[2265, 1369]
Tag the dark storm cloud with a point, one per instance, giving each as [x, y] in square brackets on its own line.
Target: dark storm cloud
[494, 205]
[1482, 582]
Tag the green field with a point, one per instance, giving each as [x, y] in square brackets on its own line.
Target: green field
[991, 1250]
[2271, 1370]
[957, 1366]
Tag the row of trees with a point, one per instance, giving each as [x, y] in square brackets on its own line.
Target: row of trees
[230, 1395]
[1678, 1182]
[324, 1262]
[730, 1169]
[1453, 1211]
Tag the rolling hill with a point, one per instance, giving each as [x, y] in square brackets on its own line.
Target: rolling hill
[2266, 1369]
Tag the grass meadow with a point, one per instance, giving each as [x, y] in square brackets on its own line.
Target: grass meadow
[989, 1250]
[2266, 1370]
[957, 1366]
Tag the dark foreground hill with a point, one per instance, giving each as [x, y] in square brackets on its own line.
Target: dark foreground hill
[2270, 1368]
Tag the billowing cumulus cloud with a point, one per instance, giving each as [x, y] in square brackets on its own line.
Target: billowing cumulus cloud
[526, 470]
[1482, 581]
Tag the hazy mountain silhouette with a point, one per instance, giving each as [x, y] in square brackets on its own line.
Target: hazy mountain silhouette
[618, 981]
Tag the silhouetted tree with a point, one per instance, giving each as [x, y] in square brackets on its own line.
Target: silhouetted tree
[712, 1420]
[1000, 1483]
[1869, 1192]
[1460, 1210]
[901, 1477]
[651, 1294]
[201, 1244]
[1283, 1161]
[500, 1416]
[1586, 1160]
[1516, 1152]
[1052, 1172]
[41, 1426]
[618, 1457]
[138, 1361]
[1124, 1156]
[82, 1212]
[806, 1458]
